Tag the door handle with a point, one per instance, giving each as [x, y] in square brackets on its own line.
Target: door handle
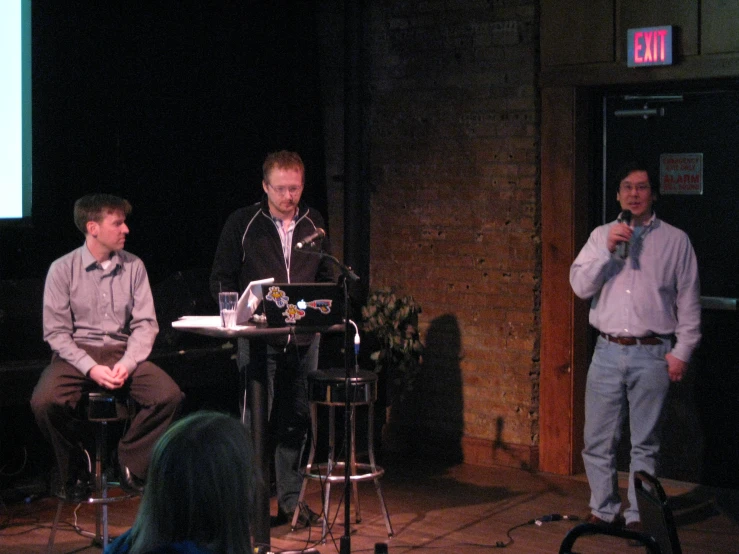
[718, 303]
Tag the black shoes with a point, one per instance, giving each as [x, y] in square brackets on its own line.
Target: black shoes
[617, 523]
[306, 517]
[129, 482]
[79, 484]
[77, 489]
[280, 519]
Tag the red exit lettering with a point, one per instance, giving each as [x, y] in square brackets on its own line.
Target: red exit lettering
[649, 46]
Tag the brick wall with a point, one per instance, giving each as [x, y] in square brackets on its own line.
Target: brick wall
[454, 160]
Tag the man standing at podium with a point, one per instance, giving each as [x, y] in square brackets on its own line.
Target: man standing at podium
[257, 242]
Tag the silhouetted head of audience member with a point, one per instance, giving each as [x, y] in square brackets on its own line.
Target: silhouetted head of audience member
[198, 490]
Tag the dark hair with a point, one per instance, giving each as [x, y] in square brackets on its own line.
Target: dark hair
[94, 207]
[198, 488]
[284, 159]
[635, 165]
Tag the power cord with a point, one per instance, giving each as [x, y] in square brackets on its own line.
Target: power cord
[537, 521]
[501, 544]
[553, 517]
[356, 340]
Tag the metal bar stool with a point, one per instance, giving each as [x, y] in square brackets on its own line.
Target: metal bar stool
[99, 408]
[328, 388]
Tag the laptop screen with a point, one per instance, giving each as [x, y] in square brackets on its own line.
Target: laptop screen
[309, 304]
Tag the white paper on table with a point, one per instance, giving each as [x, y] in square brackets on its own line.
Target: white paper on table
[194, 321]
[250, 299]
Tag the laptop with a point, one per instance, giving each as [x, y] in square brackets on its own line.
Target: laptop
[304, 304]
[250, 300]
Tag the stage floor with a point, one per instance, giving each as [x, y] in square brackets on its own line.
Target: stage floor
[463, 508]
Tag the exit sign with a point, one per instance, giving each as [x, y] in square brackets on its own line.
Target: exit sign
[649, 46]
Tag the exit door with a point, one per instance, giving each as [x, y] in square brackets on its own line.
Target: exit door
[700, 438]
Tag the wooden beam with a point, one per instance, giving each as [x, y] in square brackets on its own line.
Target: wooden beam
[557, 178]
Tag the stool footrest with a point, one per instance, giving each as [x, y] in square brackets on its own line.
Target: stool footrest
[109, 499]
[100, 499]
[365, 472]
[96, 540]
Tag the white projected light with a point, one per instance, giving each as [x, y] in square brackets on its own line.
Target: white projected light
[14, 105]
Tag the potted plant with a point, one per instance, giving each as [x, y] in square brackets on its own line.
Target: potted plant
[393, 322]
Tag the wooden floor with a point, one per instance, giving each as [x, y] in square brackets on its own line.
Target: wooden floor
[464, 509]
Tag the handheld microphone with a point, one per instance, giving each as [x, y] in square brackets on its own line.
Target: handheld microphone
[622, 250]
[310, 239]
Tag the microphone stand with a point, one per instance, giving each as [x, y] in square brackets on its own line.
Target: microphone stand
[346, 275]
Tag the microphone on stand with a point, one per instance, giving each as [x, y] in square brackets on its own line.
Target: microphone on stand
[622, 249]
[310, 239]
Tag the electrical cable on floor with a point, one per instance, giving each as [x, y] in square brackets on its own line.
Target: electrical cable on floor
[554, 517]
[30, 525]
[537, 521]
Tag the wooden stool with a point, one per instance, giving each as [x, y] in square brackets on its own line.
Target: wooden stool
[99, 408]
[328, 388]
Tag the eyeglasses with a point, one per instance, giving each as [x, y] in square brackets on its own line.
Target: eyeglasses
[284, 190]
[641, 187]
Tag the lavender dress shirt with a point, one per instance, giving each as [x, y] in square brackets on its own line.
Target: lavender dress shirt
[85, 304]
[656, 290]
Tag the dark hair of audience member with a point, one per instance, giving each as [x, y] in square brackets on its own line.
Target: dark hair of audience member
[198, 487]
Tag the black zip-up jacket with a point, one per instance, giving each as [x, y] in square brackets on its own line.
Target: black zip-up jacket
[250, 249]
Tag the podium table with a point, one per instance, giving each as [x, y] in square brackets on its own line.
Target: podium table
[256, 401]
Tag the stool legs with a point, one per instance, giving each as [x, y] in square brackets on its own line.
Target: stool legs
[329, 470]
[50, 545]
[100, 498]
[101, 484]
[373, 466]
[353, 466]
[332, 466]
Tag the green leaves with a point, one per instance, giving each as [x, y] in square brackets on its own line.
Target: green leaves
[394, 322]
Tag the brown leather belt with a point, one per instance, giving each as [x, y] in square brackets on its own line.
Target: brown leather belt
[631, 341]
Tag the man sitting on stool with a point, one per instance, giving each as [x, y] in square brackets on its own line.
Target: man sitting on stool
[100, 322]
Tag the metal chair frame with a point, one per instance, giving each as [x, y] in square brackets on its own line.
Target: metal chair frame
[101, 408]
[659, 535]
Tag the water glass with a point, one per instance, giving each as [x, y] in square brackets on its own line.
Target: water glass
[227, 303]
